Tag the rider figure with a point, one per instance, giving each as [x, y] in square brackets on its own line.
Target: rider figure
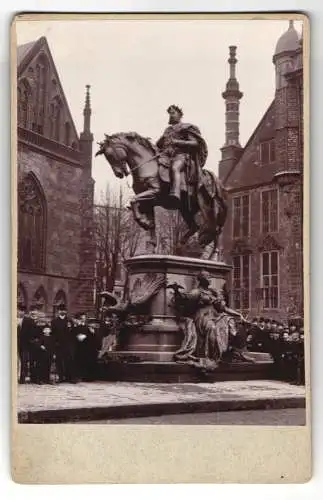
[182, 150]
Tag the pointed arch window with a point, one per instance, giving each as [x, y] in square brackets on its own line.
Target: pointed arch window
[31, 224]
[57, 122]
[23, 98]
[67, 133]
[40, 299]
[55, 119]
[41, 82]
[51, 120]
[22, 299]
[60, 298]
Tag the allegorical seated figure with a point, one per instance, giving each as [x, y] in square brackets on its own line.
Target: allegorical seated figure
[207, 322]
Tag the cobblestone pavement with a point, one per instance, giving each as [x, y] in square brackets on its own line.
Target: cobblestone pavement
[102, 394]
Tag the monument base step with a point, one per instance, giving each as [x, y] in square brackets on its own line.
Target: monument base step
[172, 372]
[168, 356]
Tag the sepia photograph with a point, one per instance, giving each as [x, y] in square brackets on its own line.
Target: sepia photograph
[160, 241]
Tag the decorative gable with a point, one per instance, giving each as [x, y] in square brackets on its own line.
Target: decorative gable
[268, 244]
[257, 163]
[42, 105]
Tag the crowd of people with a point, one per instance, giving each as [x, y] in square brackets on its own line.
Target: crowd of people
[71, 345]
[285, 343]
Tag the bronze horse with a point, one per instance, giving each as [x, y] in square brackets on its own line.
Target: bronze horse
[204, 212]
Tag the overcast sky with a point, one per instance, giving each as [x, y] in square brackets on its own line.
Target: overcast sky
[137, 68]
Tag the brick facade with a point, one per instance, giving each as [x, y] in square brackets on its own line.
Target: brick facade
[53, 159]
[282, 129]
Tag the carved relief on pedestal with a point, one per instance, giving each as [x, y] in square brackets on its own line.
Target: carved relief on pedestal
[145, 287]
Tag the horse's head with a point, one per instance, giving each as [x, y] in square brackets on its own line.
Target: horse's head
[115, 151]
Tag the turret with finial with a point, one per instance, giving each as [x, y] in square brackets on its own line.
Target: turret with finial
[86, 136]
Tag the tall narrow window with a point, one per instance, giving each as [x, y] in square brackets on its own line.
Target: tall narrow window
[269, 211]
[267, 152]
[51, 120]
[241, 216]
[67, 133]
[31, 225]
[41, 76]
[57, 122]
[272, 151]
[245, 216]
[269, 278]
[23, 102]
[22, 299]
[40, 299]
[241, 282]
[236, 216]
[60, 298]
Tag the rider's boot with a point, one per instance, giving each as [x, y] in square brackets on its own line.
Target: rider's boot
[175, 195]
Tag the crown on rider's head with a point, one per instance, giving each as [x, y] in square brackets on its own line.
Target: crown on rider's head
[176, 108]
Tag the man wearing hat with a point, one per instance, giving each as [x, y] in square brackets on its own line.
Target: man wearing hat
[86, 348]
[274, 326]
[258, 335]
[64, 341]
[252, 335]
[294, 331]
[26, 331]
[275, 349]
[43, 350]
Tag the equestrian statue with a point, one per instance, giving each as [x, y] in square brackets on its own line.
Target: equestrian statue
[171, 175]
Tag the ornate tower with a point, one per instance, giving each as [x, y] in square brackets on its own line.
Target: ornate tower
[288, 101]
[289, 157]
[87, 248]
[86, 136]
[231, 149]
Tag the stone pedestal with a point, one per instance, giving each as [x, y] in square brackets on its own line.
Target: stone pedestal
[160, 337]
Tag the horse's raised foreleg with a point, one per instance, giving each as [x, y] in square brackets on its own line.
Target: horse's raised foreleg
[141, 219]
[141, 203]
[141, 214]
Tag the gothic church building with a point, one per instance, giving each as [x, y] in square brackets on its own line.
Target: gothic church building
[263, 237]
[55, 189]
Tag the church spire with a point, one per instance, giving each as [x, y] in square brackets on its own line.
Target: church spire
[86, 136]
[231, 150]
[87, 111]
[232, 96]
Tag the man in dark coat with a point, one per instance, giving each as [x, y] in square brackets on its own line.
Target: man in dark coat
[260, 336]
[252, 335]
[274, 348]
[64, 341]
[27, 331]
[86, 349]
[44, 355]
